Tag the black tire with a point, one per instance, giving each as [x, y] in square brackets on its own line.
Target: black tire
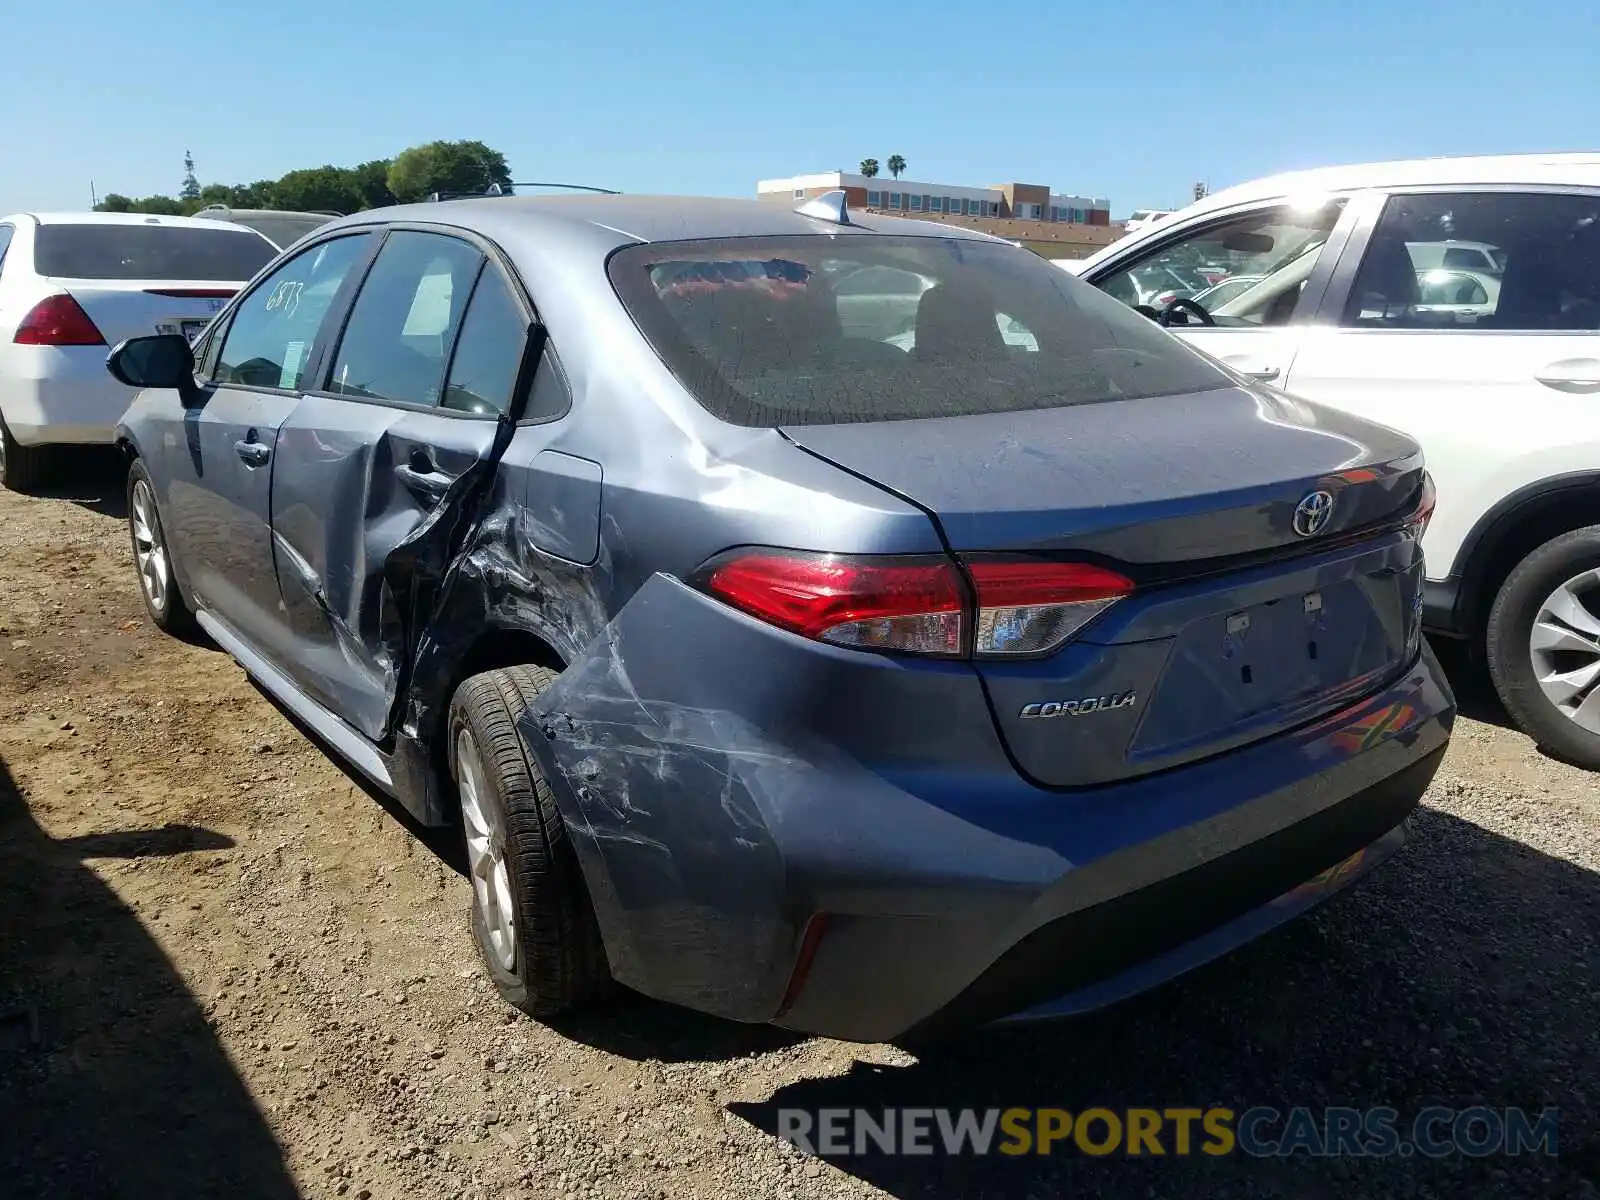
[22, 468]
[1510, 659]
[171, 613]
[560, 962]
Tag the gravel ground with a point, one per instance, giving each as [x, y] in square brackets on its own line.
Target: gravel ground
[226, 969]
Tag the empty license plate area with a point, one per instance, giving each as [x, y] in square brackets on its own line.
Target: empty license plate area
[1276, 662]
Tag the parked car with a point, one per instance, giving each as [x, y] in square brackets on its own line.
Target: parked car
[280, 227]
[1225, 289]
[1458, 300]
[72, 282]
[856, 682]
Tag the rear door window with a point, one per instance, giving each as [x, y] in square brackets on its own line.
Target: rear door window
[1481, 260]
[818, 330]
[488, 354]
[404, 319]
[119, 251]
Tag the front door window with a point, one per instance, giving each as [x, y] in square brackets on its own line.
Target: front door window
[1257, 262]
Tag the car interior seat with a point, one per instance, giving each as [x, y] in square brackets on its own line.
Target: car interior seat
[956, 327]
[1386, 288]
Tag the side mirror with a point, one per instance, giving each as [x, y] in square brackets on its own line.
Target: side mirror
[163, 361]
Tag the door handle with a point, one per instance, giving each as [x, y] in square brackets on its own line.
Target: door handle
[253, 454]
[1252, 367]
[428, 484]
[1571, 375]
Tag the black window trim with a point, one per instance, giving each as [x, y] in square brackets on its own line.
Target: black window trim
[341, 300]
[1330, 311]
[492, 256]
[1308, 307]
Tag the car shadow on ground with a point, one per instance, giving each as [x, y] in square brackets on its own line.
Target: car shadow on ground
[111, 1082]
[1462, 973]
[92, 477]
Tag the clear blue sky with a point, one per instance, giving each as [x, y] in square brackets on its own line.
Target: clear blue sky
[1133, 101]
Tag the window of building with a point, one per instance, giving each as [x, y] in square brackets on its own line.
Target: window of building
[872, 199]
[894, 199]
[916, 202]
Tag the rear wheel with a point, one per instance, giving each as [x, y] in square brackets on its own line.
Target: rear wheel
[22, 468]
[158, 586]
[1543, 644]
[531, 914]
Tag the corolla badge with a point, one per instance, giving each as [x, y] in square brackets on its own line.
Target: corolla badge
[1077, 708]
[1312, 513]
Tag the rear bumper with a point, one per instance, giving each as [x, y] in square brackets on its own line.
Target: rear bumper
[60, 394]
[718, 811]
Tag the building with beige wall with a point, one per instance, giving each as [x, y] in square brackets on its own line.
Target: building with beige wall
[1049, 223]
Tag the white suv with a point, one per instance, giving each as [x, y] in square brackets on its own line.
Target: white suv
[1458, 300]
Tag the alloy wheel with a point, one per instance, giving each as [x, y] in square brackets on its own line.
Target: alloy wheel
[149, 548]
[1564, 646]
[486, 854]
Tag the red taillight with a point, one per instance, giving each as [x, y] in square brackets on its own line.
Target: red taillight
[916, 605]
[1417, 523]
[57, 320]
[192, 293]
[908, 604]
[1028, 607]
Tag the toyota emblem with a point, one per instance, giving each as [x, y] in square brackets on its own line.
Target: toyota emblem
[1312, 513]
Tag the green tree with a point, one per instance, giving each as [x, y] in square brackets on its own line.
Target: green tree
[420, 171]
[869, 167]
[896, 165]
[114, 202]
[372, 181]
[191, 185]
[165, 206]
[328, 187]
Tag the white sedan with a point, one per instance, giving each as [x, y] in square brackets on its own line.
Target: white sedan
[72, 285]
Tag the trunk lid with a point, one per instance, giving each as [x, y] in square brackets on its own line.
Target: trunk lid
[1166, 480]
[127, 308]
[1240, 625]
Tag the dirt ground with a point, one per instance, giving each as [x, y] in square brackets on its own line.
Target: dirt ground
[228, 970]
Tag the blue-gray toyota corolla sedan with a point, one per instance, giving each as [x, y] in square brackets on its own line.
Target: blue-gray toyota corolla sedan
[813, 617]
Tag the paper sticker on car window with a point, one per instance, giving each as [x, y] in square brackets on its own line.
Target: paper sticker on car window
[289, 374]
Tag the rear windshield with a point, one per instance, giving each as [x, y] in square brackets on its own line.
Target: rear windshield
[814, 330]
[148, 252]
[282, 228]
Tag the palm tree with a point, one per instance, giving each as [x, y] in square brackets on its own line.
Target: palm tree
[869, 167]
[896, 165]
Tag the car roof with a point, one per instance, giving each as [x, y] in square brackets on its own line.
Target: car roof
[631, 219]
[107, 218]
[1578, 167]
[264, 212]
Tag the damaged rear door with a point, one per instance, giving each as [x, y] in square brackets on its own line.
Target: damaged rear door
[375, 469]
